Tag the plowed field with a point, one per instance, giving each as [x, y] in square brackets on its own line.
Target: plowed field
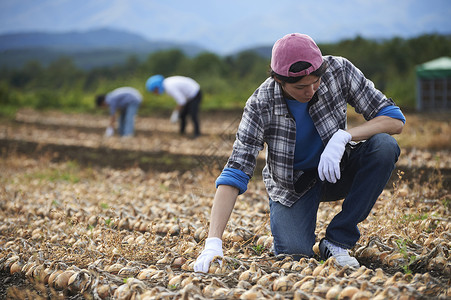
[88, 217]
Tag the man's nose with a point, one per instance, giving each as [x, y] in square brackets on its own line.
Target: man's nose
[310, 89]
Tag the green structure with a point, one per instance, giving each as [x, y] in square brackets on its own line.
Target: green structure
[434, 85]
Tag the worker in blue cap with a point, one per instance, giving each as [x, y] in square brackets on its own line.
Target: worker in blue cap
[186, 93]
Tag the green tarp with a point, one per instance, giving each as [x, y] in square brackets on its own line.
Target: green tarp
[437, 68]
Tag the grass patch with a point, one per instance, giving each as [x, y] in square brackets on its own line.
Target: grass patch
[55, 175]
[413, 217]
[402, 247]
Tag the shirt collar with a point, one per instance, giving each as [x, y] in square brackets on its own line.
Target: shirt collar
[280, 106]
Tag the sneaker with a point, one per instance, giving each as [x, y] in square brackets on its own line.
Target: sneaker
[327, 249]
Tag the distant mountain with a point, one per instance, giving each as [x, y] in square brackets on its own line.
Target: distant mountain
[262, 51]
[115, 46]
[102, 38]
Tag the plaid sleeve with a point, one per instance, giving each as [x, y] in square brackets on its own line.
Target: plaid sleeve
[249, 141]
[361, 92]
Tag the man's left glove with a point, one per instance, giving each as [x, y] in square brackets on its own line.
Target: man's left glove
[109, 131]
[329, 163]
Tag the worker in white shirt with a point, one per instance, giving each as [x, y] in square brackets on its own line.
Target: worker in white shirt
[186, 93]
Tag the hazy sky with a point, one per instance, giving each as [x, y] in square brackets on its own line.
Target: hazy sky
[227, 26]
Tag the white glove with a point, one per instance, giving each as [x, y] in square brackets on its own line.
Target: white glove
[109, 131]
[174, 116]
[329, 163]
[213, 247]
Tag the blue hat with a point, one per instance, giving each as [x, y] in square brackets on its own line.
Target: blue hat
[155, 82]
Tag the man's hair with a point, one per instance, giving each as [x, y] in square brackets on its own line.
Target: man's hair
[297, 67]
[100, 99]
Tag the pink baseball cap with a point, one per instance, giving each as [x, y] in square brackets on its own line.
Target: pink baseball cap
[291, 49]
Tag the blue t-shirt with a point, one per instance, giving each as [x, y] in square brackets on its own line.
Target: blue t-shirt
[309, 145]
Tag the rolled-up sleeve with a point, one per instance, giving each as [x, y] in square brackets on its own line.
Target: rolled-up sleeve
[392, 111]
[235, 178]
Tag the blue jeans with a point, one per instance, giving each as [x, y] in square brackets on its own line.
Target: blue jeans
[127, 119]
[365, 173]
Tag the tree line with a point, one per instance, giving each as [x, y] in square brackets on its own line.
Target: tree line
[226, 81]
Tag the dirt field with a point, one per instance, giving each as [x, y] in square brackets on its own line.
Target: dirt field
[125, 218]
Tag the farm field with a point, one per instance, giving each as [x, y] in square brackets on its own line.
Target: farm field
[86, 217]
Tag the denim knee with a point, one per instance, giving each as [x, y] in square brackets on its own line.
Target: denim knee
[302, 246]
[296, 247]
[384, 148]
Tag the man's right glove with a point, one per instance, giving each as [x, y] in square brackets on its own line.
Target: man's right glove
[109, 131]
[174, 116]
[213, 247]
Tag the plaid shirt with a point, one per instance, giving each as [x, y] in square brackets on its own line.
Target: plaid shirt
[266, 119]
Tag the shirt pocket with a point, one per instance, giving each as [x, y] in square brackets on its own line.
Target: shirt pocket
[340, 113]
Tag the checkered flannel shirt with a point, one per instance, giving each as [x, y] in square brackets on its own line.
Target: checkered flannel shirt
[266, 119]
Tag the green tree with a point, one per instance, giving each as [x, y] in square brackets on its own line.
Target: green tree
[61, 73]
[227, 81]
[27, 75]
[207, 64]
[166, 63]
[244, 62]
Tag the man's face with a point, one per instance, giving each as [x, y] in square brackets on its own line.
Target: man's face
[303, 90]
